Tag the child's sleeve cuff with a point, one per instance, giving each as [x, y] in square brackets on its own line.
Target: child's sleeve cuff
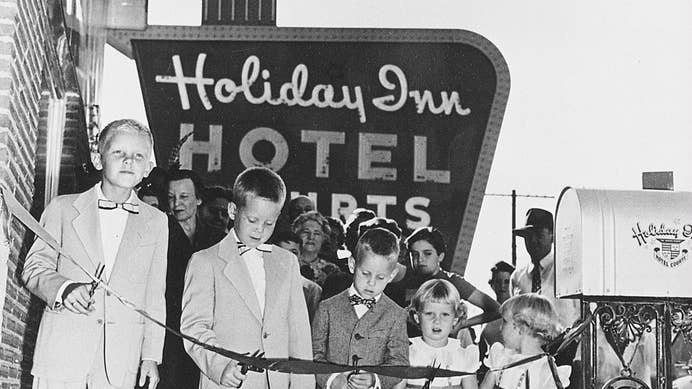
[58, 303]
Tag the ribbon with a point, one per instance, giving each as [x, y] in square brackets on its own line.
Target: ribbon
[283, 365]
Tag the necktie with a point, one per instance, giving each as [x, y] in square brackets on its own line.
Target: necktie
[357, 300]
[243, 248]
[109, 204]
[536, 278]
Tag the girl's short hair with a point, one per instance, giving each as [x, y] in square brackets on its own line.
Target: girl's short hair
[535, 313]
[438, 291]
[429, 234]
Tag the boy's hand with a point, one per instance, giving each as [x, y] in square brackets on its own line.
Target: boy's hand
[361, 381]
[232, 376]
[151, 371]
[340, 381]
[76, 298]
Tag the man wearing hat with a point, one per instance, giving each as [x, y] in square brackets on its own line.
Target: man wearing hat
[538, 275]
[538, 239]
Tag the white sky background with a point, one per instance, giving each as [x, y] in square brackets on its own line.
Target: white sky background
[601, 91]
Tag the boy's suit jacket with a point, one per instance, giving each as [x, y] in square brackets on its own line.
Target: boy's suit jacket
[220, 307]
[377, 338]
[67, 342]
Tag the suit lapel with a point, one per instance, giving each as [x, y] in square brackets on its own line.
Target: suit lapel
[238, 274]
[86, 223]
[346, 306]
[377, 310]
[135, 227]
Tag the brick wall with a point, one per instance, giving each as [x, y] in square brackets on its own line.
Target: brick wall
[24, 36]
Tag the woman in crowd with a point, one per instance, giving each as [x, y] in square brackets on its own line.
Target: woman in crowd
[427, 250]
[314, 230]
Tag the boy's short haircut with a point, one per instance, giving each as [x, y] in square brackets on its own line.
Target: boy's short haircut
[124, 125]
[183, 174]
[379, 242]
[288, 236]
[438, 291]
[260, 182]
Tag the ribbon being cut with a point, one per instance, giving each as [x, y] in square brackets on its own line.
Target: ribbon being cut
[256, 361]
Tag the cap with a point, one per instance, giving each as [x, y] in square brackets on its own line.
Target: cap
[536, 218]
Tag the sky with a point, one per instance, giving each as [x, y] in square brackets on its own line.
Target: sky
[601, 92]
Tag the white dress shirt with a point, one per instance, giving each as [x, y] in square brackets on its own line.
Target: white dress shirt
[112, 223]
[254, 261]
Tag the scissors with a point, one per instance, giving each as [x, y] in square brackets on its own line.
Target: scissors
[245, 367]
[99, 271]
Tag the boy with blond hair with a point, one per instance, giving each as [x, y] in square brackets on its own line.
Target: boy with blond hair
[362, 326]
[87, 338]
[245, 295]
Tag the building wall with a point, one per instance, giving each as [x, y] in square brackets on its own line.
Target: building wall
[25, 40]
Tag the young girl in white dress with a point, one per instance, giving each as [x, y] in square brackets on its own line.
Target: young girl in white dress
[437, 307]
[528, 322]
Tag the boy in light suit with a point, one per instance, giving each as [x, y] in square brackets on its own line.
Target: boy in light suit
[87, 338]
[245, 295]
[362, 325]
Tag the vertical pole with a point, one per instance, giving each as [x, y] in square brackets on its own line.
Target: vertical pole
[664, 338]
[514, 225]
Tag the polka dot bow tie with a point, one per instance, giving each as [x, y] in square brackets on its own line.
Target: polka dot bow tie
[243, 248]
[357, 300]
[108, 204]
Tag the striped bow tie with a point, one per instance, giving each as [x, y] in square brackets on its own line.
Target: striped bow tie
[357, 300]
[108, 204]
[243, 248]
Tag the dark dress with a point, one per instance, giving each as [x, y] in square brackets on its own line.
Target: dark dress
[177, 370]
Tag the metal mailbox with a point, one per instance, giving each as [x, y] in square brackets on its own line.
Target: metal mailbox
[632, 244]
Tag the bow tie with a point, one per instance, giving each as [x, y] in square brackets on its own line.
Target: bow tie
[109, 204]
[243, 248]
[357, 300]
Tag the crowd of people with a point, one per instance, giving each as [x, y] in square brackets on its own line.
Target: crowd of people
[234, 268]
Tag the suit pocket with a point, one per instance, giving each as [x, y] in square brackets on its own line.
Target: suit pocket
[62, 337]
[378, 334]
